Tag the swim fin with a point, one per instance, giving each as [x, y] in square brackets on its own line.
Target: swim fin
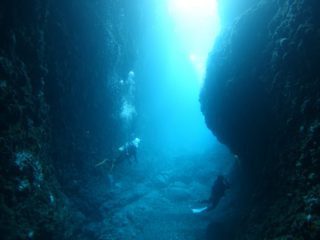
[199, 210]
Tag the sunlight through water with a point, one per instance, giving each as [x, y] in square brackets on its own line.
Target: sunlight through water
[177, 41]
[196, 24]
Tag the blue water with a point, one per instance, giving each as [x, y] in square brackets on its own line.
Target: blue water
[179, 157]
[175, 45]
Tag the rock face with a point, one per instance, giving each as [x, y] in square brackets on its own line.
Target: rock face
[229, 10]
[261, 98]
[60, 67]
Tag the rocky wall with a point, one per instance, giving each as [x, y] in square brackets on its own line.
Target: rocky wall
[60, 67]
[261, 99]
[229, 10]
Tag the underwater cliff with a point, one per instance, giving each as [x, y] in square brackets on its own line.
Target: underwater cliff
[261, 98]
[80, 79]
[59, 110]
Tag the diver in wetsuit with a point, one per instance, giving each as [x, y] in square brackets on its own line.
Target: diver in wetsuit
[128, 150]
[217, 192]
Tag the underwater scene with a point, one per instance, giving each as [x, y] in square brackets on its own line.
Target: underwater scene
[160, 120]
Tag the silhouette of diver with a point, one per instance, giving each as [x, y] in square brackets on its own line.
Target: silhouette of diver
[217, 192]
[125, 152]
[128, 150]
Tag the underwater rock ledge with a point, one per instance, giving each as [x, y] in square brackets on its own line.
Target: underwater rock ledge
[60, 67]
[261, 98]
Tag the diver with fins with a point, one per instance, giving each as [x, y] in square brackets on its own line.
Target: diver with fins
[125, 152]
[217, 192]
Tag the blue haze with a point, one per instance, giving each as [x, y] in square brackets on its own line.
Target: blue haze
[169, 81]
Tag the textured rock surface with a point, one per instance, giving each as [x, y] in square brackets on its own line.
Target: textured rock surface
[145, 210]
[229, 10]
[60, 65]
[261, 98]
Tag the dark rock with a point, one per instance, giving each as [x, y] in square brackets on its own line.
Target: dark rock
[229, 10]
[60, 66]
[220, 231]
[261, 99]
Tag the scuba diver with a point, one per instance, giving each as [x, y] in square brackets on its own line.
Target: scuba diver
[128, 150]
[125, 152]
[217, 192]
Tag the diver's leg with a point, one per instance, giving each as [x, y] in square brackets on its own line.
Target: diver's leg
[215, 202]
[204, 201]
